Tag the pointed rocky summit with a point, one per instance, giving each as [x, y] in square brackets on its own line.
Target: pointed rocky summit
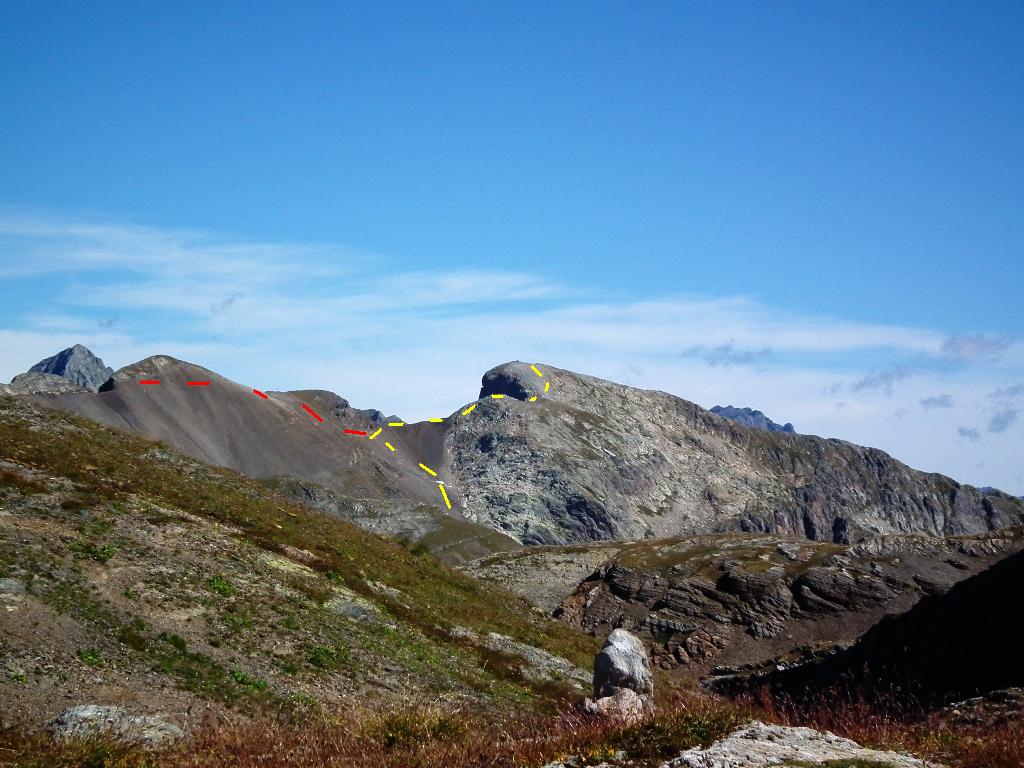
[77, 364]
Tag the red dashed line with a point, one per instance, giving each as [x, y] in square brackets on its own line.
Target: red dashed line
[257, 392]
[312, 413]
[355, 432]
[199, 383]
[149, 381]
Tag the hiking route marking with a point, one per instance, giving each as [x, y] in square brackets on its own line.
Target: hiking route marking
[391, 424]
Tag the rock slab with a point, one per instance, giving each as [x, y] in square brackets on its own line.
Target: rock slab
[759, 745]
[91, 720]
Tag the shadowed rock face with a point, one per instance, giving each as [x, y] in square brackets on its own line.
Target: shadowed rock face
[962, 643]
[593, 460]
[751, 418]
[76, 364]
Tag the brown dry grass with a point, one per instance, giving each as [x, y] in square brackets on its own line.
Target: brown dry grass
[424, 736]
[896, 723]
[418, 737]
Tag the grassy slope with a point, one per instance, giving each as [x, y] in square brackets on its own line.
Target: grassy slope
[242, 606]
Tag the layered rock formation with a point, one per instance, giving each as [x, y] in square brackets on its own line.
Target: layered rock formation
[962, 643]
[728, 603]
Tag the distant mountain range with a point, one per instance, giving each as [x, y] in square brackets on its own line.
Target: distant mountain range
[584, 460]
[751, 418]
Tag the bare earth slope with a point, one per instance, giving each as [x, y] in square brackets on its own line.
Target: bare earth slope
[593, 460]
[226, 424]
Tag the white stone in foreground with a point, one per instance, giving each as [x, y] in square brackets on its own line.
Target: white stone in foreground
[757, 745]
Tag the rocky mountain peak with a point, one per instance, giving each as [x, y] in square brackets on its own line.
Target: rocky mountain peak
[515, 379]
[753, 419]
[76, 364]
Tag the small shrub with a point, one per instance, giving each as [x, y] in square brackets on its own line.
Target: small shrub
[236, 623]
[91, 657]
[406, 728]
[220, 585]
[177, 642]
[90, 550]
[13, 479]
[242, 678]
[327, 656]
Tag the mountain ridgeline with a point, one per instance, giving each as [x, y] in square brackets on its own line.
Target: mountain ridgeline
[588, 460]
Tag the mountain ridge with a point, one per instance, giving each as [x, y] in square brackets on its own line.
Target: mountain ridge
[588, 460]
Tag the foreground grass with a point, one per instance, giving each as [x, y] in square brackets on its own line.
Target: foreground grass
[425, 736]
[419, 737]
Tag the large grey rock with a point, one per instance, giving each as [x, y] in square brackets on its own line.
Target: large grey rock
[76, 364]
[623, 684]
[91, 720]
[757, 745]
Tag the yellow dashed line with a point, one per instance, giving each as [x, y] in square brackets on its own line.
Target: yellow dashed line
[469, 410]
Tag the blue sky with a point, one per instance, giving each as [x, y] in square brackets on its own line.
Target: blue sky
[815, 209]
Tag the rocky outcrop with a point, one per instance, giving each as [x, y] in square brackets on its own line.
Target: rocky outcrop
[751, 418]
[964, 642]
[623, 684]
[40, 384]
[759, 745]
[536, 664]
[92, 720]
[740, 599]
[78, 365]
[591, 460]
